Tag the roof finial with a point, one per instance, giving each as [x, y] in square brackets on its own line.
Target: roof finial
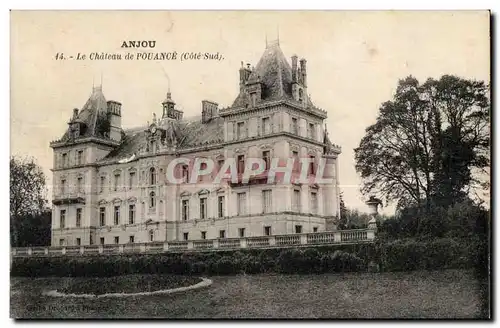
[278, 34]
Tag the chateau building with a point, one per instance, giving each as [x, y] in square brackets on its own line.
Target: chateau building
[111, 187]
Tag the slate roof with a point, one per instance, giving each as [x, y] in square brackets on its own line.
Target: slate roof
[189, 133]
[275, 74]
[95, 108]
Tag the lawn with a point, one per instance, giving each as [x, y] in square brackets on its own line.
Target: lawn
[433, 294]
[130, 284]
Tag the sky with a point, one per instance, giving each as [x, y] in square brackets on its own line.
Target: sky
[354, 59]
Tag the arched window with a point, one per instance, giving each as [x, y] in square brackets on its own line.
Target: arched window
[152, 200]
[151, 235]
[152, 176]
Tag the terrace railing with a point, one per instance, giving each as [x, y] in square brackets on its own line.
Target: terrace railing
[280, 241]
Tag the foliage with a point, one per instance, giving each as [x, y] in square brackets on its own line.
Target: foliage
[27, 192]
[431, 254]
[426, 142]
[34, 230]
[354, 219]
[462, 220]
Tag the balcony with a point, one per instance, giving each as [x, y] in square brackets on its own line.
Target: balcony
[69, 198]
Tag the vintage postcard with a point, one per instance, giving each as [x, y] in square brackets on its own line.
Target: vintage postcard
[250, 164]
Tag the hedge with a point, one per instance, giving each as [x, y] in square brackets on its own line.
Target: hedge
[396, 255]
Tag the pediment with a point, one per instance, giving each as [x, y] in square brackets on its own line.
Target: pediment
[132, 199]
[185, 194]
[218, 190]
[203, 192]
[117, 201]
[102, 202]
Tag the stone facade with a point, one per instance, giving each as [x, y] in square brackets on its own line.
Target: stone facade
[110, 184]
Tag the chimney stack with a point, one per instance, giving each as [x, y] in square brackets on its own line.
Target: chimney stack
[209, 110]
[303, 71]
[294, 68]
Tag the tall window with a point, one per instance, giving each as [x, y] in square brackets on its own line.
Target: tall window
[117, 181]
[242, 203]
[79, 184]
[267, 231]
[63, 186]
[102, 216]
[79, 157]
[296, 200]
[266, 156]
[314, 202]
[241, 232]
[62, 219]
[220, 163]
[152, 176]
[266, 201]
[102, 240]
[131, 214]
[203, 235]
[295, 126]
[296, 161]
[203, 208]
[311, 165]
[298, 229]
[185, 209]
[117, 240]
[101, 186]
[240, 130]
[185, 173]
[151, 235]
[241, 164]
[222, 233]
[203, 166]
[64, 159]
[266, 125]
[311, 131]
[186, 235]
[220, 201]
[131, 239]
[152, 200]
[78, 217]
[78, 241]
[117, 215]
[61, 242]
[131, 180]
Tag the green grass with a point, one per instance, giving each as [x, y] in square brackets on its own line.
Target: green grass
[127, 284]
[423, 294]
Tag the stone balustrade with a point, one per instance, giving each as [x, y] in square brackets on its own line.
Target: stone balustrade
[279, 241]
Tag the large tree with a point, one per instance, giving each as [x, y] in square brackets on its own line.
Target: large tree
[426, 142]
[27, 193]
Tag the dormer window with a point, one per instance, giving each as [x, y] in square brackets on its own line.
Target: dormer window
[301, 95]
[253, 98]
